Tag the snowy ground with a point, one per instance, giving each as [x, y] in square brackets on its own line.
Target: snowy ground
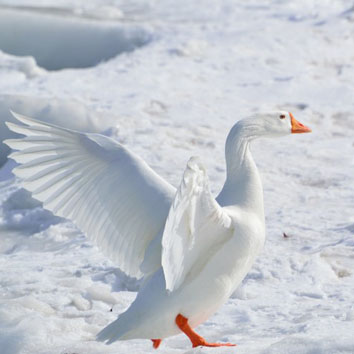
[197, 67]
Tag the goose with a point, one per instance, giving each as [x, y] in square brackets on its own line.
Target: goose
[191, 249]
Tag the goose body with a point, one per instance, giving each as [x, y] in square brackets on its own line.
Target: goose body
[153, 313]
[192, 250]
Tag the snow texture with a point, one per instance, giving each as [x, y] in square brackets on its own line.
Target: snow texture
[168, 80]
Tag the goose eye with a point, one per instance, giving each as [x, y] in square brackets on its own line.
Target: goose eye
[282, 116]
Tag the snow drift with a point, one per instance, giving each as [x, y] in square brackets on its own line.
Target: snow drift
[58, 42]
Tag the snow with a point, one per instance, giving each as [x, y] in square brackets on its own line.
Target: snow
[58, 42]
[196, 69]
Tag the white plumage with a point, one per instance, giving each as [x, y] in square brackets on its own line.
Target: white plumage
[110, 193]
[193, 250]
[194, 211]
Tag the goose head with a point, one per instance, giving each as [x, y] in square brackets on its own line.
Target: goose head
[273, 124]
[243, 185]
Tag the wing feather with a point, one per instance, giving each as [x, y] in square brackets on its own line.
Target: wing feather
[196, 226]
[110, 193]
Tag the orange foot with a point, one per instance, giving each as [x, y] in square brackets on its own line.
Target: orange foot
[195, 338]
[156, 343]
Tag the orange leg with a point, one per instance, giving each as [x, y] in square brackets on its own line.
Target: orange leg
[196, 339]
[156, 343]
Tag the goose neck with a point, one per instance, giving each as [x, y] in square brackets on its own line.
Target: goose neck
[243, 186]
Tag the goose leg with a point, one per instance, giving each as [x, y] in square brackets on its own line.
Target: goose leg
[195, 338]
[156, 343]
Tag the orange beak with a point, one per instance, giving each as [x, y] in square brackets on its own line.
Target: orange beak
[297, 127]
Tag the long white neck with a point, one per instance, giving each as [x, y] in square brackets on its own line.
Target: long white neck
[243, 186]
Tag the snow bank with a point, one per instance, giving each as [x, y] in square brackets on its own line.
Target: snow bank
[58, 42]
[67, 113]
[11, 65]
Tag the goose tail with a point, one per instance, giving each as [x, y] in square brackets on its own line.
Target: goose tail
[114, 331]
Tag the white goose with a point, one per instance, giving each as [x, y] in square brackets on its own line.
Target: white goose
[193, 250]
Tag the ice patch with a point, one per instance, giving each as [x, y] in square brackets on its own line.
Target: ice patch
[58, 42]
[10, 341]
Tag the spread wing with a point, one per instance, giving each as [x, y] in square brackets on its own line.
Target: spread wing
[107, 191]
[195, 228]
